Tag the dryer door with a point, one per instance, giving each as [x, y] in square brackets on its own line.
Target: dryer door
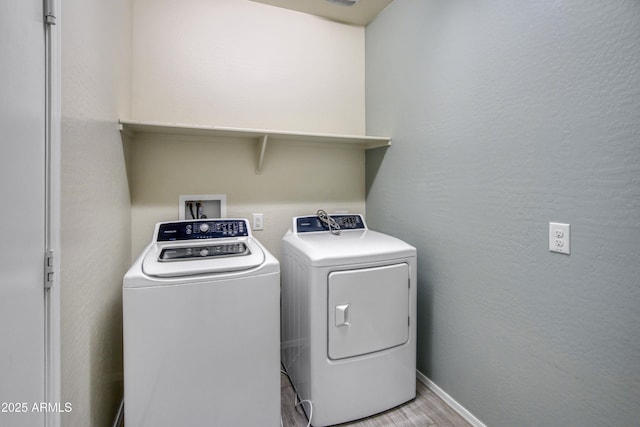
[368, 310]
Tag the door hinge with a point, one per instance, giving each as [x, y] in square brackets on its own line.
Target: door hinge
[49, 12]
[48, 269]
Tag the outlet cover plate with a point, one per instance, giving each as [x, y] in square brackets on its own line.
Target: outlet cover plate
[258, 222]
[559, 238]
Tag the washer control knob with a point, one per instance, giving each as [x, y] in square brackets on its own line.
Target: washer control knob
[204, 252]
[204, 227]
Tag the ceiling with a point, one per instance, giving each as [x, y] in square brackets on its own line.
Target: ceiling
[361, 13]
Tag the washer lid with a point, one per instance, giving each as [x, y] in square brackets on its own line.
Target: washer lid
[187, 258]
[350, 246]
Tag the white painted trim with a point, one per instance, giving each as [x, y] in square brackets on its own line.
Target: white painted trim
[461, 410]
[53, 392]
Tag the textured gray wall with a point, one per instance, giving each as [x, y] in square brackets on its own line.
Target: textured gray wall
[505, 116]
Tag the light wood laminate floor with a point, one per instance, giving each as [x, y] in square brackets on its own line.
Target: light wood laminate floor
[426, 410]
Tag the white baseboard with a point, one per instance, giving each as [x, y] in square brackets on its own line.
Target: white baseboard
[464, 413]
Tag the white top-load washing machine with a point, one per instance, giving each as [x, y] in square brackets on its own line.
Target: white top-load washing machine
[348, 323]
[201, 314]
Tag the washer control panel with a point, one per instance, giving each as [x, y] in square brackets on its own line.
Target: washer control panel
[200, 252]
[202, 229]
[310, 224]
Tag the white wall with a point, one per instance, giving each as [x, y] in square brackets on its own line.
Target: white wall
[505, 116]
[297, 179]
[244, 64]
[95, 234]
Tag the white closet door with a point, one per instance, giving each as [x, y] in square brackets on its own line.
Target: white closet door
[22, 213]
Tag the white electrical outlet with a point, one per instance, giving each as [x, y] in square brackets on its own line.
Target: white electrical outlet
[559, 238]
[258, 223]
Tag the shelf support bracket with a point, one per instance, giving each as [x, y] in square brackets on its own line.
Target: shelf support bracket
[262, 147]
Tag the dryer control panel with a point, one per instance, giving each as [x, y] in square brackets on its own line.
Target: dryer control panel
[202, 229]
[309, 224]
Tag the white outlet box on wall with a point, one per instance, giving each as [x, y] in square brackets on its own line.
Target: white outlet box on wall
[559, 238]
[202, 206]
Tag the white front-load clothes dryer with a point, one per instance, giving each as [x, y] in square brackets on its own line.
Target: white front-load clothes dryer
[348, 313]
[201, 317]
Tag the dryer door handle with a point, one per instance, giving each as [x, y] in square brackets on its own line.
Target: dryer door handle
[343, 315]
